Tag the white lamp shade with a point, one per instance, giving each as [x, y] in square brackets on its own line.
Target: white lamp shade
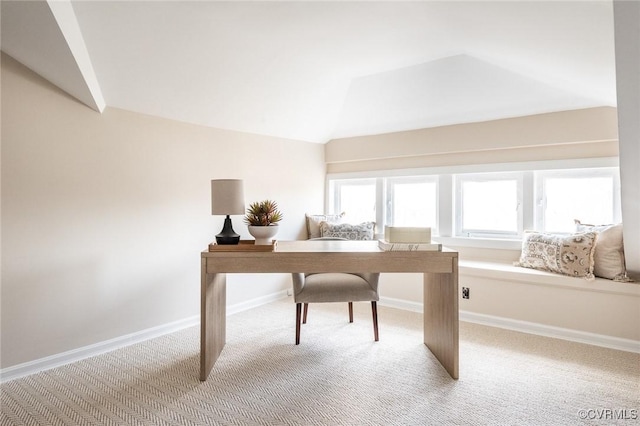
[227, 196]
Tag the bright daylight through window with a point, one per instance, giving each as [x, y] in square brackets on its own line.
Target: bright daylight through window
[589, 196]
[412, 202]
[489, 205]
[357, 197]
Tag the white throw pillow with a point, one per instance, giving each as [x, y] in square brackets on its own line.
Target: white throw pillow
[609, 252]
[314, 220]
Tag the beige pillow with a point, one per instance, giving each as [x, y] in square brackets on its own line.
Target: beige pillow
[313, 222]
[609, 252]
[362, 231]
[568, 255]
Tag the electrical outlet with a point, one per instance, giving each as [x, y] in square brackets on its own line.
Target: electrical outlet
[465, 292]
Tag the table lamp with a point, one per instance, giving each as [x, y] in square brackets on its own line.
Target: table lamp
[227, 198]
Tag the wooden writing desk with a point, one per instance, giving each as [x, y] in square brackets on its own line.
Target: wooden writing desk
[440, 271]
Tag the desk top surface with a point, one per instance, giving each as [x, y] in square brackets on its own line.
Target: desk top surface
[327, 246]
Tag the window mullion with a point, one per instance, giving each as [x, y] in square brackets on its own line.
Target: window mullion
[380, 208]
[528, 203]
[446, 211]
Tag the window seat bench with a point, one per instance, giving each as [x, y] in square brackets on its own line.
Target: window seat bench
[510, 272]
[599, 312]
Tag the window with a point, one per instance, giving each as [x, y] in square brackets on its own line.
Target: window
[488, 204]
[412, 201]
[356, 198]
[483, 205]
[589, 195]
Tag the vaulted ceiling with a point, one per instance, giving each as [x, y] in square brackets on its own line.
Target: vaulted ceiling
[319, 70]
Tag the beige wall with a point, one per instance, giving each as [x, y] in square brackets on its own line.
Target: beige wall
[104, 215]
[583, 133]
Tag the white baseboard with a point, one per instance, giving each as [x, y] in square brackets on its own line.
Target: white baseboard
[405, 305]
[551, 331]
[627, 345]
[57, 360]
[74, 355]
[255, 302]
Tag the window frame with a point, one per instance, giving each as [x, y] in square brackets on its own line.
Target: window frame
[334, 194]
[445, 234]
[389, 184]
[540, 203]
[458, 208]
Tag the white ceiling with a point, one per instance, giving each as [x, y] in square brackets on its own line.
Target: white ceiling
[314, 71]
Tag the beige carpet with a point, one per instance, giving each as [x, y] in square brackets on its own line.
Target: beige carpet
[337, 376]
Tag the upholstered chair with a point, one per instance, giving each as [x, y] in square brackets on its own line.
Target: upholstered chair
[335, 287]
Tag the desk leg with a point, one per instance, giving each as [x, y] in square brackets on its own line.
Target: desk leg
[213, 316]
[441, 318]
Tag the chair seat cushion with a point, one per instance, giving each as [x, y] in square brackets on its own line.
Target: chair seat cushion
[335, 287]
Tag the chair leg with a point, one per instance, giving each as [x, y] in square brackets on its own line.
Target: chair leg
[298, 309]
[304, 315]
[374, 311]
[350, 311]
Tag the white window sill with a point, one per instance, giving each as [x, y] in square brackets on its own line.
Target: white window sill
[490, 243]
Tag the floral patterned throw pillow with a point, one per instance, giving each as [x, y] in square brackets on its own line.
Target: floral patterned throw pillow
[363, 231]
[563, 254]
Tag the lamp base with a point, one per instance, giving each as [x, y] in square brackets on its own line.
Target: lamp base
[227, 236]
